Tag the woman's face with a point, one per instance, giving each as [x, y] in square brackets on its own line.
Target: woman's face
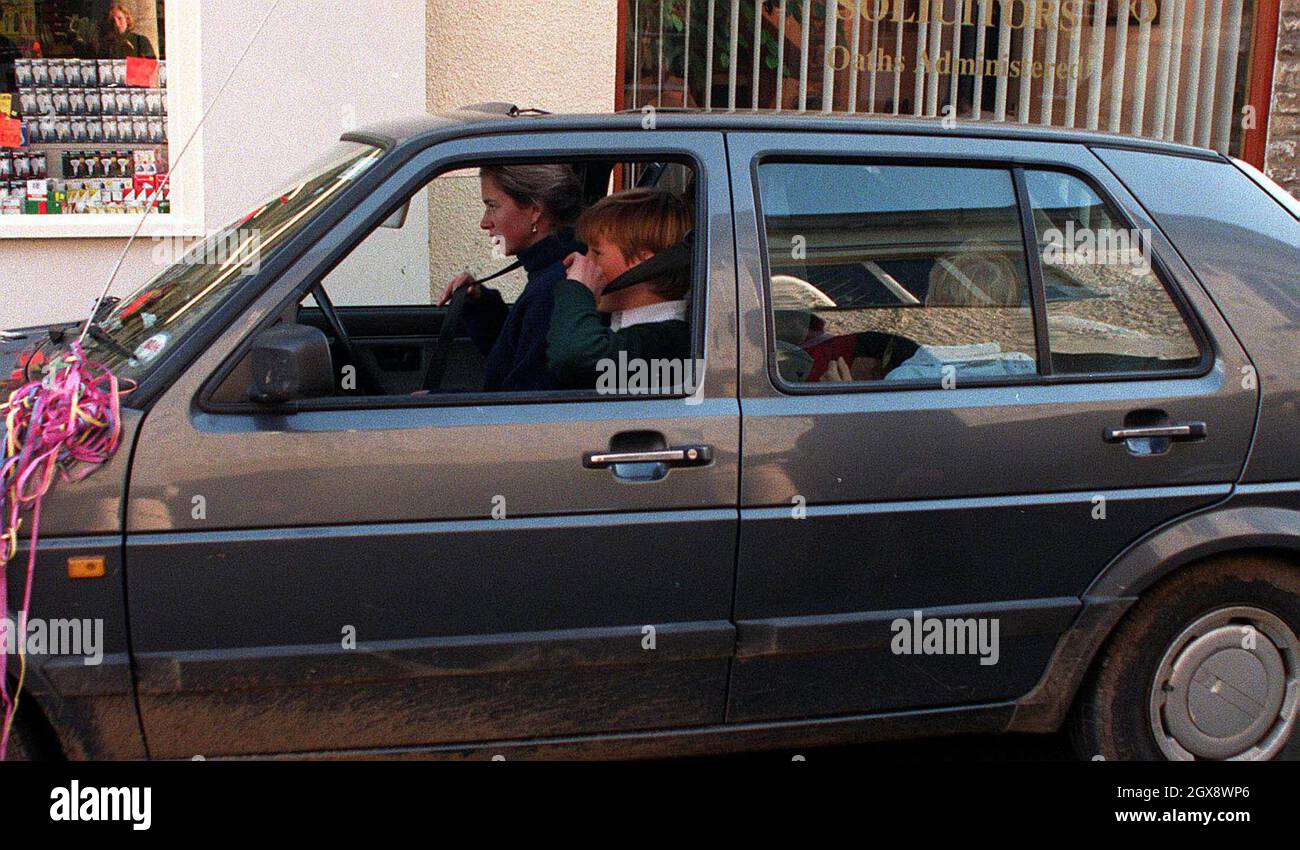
[509, 224]
[118, 17]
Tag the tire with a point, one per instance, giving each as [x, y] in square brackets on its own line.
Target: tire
[1206, 666]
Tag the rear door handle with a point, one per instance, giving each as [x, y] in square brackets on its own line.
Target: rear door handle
[682, 456]
[1179, 433]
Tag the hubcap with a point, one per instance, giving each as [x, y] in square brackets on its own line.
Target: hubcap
[1227, 687]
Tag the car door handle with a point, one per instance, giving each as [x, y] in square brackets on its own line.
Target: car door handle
[681, 456]
[1181, 432]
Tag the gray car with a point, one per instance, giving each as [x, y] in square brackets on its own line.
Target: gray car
[992, 429]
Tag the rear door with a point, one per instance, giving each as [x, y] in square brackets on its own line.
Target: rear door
[930, 412]
[396, 574]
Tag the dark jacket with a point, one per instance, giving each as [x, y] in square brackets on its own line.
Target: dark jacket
[115, 45]
[580, 338]
[514, 338]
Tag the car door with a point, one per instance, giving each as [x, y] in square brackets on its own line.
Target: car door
[380, 575]
[967, 489]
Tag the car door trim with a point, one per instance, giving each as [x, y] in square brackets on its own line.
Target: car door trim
[163, 673]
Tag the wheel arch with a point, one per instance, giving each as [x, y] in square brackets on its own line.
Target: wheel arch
[1225, 532]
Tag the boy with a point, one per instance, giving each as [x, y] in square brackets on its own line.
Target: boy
[646, 321]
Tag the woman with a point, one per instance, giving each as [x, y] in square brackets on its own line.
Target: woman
[118, 38]
[529, 213]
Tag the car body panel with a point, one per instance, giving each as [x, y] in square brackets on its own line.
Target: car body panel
[1245, 248]
[90, 707]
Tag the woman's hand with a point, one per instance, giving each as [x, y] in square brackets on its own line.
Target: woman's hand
[584, 270]
[462, 279]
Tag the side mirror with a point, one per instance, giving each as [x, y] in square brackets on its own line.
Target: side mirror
[291, 362]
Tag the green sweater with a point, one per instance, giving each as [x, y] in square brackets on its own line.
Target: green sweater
[579, 338]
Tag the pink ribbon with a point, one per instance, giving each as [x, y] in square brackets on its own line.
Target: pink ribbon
[68, 423]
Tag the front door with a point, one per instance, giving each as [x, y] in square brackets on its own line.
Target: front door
[409, 570]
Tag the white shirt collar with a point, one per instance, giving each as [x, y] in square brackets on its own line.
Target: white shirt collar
[664, 311]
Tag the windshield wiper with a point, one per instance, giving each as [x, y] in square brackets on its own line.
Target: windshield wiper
[102, 336]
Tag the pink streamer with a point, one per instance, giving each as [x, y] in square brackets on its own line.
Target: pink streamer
[67, 424]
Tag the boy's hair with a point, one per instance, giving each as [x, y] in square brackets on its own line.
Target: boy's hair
[637, 220]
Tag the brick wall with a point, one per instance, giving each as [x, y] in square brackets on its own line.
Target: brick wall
[1282, 157]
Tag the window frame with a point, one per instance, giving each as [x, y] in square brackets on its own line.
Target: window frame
[1015, 168]
[437, 165]
[1161, 271]
[183, 40]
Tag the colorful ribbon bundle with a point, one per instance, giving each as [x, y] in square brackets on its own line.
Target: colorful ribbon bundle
[69, 423]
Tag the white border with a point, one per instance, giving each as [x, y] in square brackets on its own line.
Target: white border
[184, 109]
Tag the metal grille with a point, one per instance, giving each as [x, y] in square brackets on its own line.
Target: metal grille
[1168, 69]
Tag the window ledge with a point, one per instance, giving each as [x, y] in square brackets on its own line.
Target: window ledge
[91, 226]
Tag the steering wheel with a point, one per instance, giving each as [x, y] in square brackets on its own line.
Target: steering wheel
[446, 336]
[366, 380]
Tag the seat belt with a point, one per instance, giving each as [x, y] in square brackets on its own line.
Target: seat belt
[671, 259]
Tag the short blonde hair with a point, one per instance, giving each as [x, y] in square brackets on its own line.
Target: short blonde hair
[642, 220]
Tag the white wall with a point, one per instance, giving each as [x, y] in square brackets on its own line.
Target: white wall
[559, 56]
[316, 69]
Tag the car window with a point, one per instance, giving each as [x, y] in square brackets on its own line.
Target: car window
[440, 236]
[388, 292]
[1107, 310]
[896, 273]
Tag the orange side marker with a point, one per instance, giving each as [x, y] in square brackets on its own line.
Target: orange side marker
[86, 567]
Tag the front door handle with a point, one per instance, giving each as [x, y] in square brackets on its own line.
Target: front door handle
[1179, 433]
[682, 456]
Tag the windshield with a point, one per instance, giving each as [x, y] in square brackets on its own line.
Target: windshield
[154, 318]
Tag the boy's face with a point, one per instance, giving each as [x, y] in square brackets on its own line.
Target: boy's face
[610, 257]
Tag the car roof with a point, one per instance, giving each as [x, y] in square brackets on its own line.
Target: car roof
[492, 118]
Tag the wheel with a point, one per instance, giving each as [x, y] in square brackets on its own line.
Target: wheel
[1205, 666]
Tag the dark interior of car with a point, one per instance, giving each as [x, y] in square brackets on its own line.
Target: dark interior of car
[399, 350]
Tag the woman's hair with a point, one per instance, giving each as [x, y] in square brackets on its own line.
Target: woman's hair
[116, 4]
[641, 220]
[553, 187]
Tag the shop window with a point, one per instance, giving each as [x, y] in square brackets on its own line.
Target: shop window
[88, 124]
